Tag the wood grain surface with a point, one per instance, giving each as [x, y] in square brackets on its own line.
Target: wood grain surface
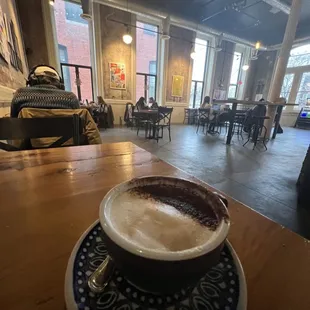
[50, 197]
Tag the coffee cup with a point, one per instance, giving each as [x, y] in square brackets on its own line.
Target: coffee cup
[163, 233]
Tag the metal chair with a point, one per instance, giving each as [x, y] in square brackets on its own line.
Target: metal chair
[163, 121]
[203, 118]
[25, 129]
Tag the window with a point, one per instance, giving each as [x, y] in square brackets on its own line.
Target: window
[199, 64]
[63, 57]
[146, 60]
[73, 12]
[304, 90]
[234, 77]
[150, 30]
[74, 48]
[287, 86]
[296, 83]
[300, 56]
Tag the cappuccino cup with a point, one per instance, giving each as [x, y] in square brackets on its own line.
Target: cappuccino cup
[163, 233]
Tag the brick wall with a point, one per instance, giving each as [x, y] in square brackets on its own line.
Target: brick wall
[75, 37]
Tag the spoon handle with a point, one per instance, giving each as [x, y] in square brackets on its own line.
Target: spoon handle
[101, 276]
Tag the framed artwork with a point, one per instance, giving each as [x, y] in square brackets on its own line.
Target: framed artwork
[219, 94]
[117, 75]
[177, 86]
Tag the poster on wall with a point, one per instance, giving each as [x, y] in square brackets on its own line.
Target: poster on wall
[219, 94]
[117, 75]
[177, 85]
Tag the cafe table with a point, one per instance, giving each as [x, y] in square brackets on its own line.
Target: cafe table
[233, 114]
[50, 197]
[149, 115]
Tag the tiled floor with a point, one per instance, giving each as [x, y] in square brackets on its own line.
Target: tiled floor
[265, 181]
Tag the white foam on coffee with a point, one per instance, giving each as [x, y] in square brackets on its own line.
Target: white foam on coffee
[154, 225]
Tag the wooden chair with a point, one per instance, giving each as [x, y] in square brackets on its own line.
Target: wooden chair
[26, 129]
[163, 121]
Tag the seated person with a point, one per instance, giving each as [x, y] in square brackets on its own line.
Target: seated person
[206, 103]
[45, 90]
[140, 105]
[152, 103]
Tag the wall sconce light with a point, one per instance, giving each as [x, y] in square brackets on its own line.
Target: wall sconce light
[127, 38]
[193, 52]
[52, 2]
[257, 45]
[245, 67]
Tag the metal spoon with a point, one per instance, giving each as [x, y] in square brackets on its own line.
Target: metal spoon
[101, 276]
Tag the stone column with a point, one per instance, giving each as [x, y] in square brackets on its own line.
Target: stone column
[282, 61]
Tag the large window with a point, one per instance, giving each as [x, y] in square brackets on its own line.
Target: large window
[296, 83]
[74, 48]
[300, 56]
[146, 60]
[234, 77]
[199, 64]
[73, 12]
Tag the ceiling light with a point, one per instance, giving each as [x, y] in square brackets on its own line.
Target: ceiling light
[245, 67]
[127, 38]
[52, 2]
[257, 45]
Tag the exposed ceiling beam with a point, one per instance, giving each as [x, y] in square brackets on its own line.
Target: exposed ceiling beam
[279, 5]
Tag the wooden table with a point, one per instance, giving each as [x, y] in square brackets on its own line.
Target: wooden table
[50, 197]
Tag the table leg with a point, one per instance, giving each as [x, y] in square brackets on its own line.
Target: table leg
[277, 122]
[231, 122]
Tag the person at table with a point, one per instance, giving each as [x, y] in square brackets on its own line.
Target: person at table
[45, 90]
[140, 105]
[206, 103]
[152, 103]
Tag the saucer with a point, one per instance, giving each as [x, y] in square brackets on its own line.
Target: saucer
[223, 286]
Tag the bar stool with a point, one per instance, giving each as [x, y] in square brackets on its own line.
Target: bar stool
[257, 131]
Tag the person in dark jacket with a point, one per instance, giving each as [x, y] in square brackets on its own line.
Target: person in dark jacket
[45, 90]
[140, 105]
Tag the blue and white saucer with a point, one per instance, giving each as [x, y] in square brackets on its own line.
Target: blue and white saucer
[222, 288]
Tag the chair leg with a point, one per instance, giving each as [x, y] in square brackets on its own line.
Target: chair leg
[197, 127]
[169, 133]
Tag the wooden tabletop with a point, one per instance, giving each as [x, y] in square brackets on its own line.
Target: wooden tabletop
[50, 197]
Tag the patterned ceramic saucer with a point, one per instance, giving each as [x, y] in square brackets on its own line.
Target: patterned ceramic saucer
[222, 288]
